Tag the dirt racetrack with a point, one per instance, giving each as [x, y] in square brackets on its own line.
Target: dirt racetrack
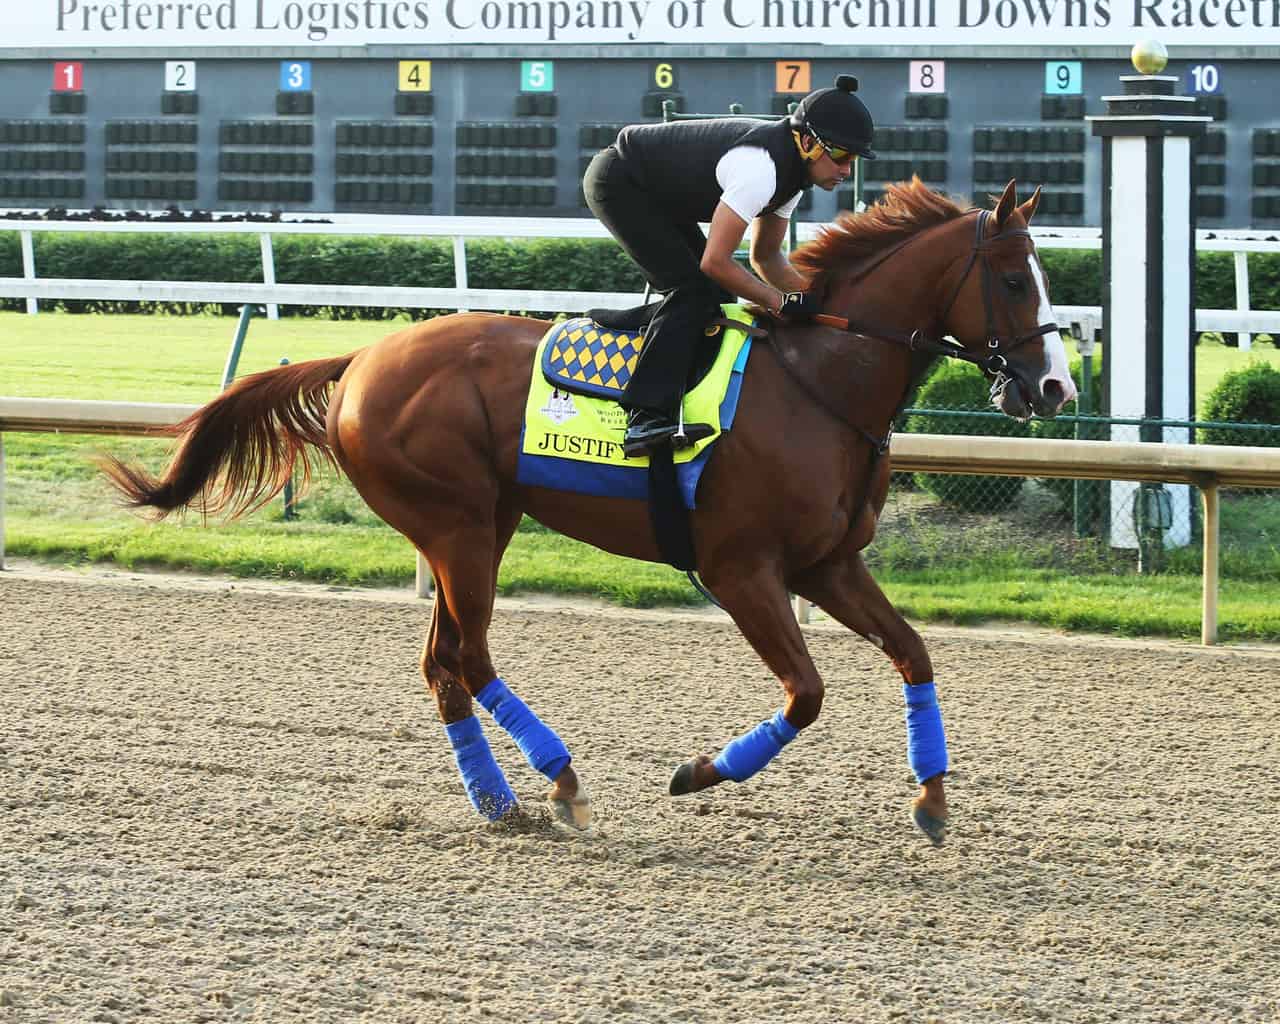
[231, 803]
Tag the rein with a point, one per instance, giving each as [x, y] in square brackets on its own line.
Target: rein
[994, 363]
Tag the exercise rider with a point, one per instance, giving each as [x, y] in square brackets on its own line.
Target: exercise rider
[656, 184]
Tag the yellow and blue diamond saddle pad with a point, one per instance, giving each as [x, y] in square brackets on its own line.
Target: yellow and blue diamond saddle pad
[573, 426]
[580, 356]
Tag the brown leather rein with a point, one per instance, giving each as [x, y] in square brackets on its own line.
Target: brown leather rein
[994, 363]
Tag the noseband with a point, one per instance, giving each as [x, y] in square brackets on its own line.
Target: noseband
[994, 362]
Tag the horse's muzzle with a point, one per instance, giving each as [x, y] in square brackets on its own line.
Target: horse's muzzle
[1013, 396]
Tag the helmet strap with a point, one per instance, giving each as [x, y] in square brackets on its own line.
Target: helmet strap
[813, 152]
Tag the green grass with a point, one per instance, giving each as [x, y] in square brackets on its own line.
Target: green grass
[60, 510]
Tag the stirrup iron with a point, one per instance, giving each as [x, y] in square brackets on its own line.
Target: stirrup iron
[688, 437]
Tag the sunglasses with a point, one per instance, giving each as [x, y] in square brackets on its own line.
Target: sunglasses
[837, 153]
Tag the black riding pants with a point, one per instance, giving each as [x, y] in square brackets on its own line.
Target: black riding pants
[669, 252]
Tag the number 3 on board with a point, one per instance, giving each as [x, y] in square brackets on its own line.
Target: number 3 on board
[295, 76]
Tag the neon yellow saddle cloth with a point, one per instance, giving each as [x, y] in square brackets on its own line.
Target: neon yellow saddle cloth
[573, 426]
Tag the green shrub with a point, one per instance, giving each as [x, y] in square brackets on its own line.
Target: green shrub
[1249, 395]
[961, 386]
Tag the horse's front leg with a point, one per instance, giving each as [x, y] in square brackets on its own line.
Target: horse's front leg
[842, 586]
[759, 605]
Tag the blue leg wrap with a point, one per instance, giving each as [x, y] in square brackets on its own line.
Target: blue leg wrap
[486, 785]
[544, 749]
[747, 754]
[926, 743]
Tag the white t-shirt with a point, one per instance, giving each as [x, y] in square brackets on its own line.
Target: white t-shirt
[749, 178]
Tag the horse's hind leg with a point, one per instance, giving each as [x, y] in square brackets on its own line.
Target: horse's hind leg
[465, 570]
[843, 587]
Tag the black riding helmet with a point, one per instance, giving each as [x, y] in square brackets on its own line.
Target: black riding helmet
[837, 117]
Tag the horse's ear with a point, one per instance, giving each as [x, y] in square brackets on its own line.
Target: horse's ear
[1008, 200]
[1028, 209]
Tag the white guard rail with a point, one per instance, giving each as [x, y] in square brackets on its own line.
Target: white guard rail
[1243, 319]
[1205, 466]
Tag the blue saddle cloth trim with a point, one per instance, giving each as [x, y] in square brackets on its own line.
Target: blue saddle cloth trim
[628, 481]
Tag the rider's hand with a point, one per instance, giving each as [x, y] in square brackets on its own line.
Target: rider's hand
[799, 307]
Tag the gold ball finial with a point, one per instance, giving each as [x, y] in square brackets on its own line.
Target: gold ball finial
[1149, 56]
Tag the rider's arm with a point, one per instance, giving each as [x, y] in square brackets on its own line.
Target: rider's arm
[747, 176]
[767, 257]
[727, 229]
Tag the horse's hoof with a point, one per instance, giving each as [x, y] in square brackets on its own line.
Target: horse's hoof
[682, 780]
[572, 811]
[934, 828]
[686, 780]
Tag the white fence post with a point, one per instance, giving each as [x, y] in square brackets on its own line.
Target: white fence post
[460, 264]
[269, 272]
[1242, 295]
[29, 269]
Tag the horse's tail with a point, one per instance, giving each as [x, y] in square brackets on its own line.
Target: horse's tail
[250, 436]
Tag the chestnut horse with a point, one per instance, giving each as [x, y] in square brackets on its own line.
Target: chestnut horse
[427, 424]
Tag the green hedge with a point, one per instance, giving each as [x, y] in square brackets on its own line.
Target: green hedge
[592, 265]
[1248, 395]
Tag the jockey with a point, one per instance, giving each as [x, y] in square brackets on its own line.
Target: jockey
[657, 182]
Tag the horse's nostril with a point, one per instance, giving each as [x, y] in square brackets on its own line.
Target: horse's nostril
[1055, 395]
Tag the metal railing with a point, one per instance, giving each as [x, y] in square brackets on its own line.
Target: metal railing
[1242, 320]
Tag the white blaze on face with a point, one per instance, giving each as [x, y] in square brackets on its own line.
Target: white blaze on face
[1055, 352]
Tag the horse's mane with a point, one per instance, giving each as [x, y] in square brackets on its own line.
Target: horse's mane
[906, 208]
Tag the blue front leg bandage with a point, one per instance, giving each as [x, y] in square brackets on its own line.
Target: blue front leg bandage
[747, 754]
[486, 785]
[926, 743]
[544, 749]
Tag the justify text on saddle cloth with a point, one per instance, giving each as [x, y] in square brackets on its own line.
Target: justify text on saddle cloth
[564, 430]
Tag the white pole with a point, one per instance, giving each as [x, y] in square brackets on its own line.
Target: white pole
[802, 606]
[269, 272]
[423, 581]
[460, 264]
[1242, 295]
[29, 268]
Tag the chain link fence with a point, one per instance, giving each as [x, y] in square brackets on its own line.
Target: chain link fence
[935, 521]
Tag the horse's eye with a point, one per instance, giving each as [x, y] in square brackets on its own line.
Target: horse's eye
[1016, 283]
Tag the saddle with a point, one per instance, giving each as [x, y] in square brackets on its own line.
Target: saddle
[594, 355]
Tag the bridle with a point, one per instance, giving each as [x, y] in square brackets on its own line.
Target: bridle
[995, 362]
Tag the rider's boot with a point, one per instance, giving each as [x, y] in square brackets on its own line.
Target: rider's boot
[647, 429]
